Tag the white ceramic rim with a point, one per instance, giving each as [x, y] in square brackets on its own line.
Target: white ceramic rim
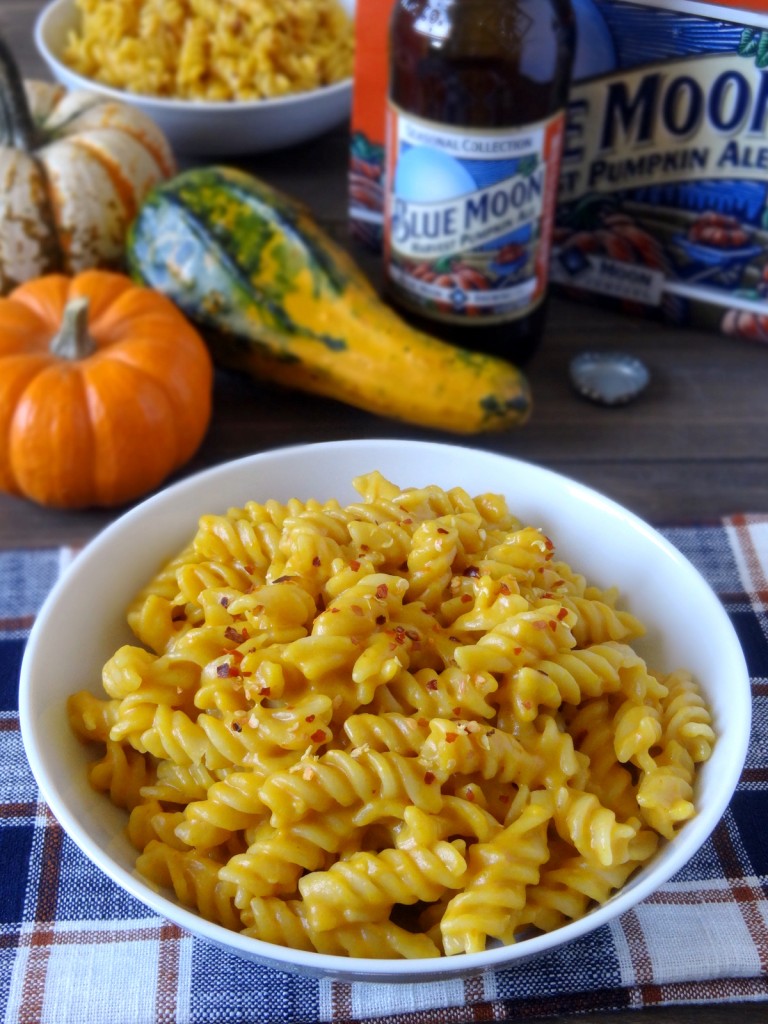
[352, 969]
[177, 106]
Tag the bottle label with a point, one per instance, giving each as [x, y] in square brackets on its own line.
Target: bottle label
[469, 215]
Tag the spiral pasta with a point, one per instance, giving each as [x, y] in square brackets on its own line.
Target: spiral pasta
[218, 50]
[398, 728]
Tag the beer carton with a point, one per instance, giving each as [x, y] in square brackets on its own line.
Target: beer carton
[366, 160]
[663, 201]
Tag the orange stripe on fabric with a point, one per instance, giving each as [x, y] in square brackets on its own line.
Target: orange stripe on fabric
[638, 949]
[341, 1000]
[46, 935]
[740, 525]
[11, 624]
[717, 990]
[166, 993]
[33, 994]
[745, 896]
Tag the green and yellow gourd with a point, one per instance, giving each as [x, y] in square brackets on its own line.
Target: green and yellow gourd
[277, 298]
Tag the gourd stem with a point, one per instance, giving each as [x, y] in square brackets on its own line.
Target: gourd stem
[73, 340]
[17, 128]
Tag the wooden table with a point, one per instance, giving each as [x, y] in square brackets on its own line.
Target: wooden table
[693, 447]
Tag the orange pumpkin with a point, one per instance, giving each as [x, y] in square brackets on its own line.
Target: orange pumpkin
[105, 389]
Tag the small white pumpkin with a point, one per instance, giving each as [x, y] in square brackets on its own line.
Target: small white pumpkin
[74, 168]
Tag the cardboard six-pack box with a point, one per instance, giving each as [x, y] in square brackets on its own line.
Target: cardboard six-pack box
[663, 201]
[366, 160]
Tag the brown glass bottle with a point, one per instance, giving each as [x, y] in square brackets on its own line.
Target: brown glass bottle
[477, 96]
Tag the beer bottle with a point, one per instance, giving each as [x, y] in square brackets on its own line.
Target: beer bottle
[475, 126]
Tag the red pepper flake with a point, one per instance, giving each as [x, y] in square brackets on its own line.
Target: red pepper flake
[540, 624]
[316, 561]
[236, 727]
[451, 737]
[517, 650]
[504, 588]
[357, 609]
[380, 620]
[457, 712]
[527, 705]
[407, 522]
[334, 611]
[441, 529]
[412, 634]
[265, 691]
[284, 579]
[466, 598]
[472, 570]
[364, 547]
[309, 718]
[553, 625]
[354, 565]
[237, 637]
[318, 736]
[432, 684]
[429, 778]
[382, 591]
[562, 613]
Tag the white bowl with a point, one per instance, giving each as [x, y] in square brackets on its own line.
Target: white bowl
[198, 128]
[82, 623]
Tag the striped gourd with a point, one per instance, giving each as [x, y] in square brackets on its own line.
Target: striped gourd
[279, 299]
[74, 168]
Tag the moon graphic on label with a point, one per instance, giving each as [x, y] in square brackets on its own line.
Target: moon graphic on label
[427, 175]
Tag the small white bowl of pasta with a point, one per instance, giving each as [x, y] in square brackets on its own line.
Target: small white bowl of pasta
[390, 680]
[216, 88]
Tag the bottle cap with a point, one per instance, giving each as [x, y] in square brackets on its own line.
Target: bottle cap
[609, 378]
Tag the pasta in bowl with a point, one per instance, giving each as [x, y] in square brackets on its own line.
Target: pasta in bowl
[219, 77]
[386, 729]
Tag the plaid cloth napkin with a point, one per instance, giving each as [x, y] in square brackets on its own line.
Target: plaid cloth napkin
[74, 947]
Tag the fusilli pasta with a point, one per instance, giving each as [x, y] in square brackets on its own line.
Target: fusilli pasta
[217, 50]
[399, 728]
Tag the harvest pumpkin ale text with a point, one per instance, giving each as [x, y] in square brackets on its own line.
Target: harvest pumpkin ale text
[664, 166]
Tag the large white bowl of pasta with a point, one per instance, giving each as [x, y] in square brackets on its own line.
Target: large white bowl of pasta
[384, 710]
[219, 79]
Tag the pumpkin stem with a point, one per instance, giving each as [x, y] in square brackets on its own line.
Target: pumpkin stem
[73, 340]
[17, 128]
